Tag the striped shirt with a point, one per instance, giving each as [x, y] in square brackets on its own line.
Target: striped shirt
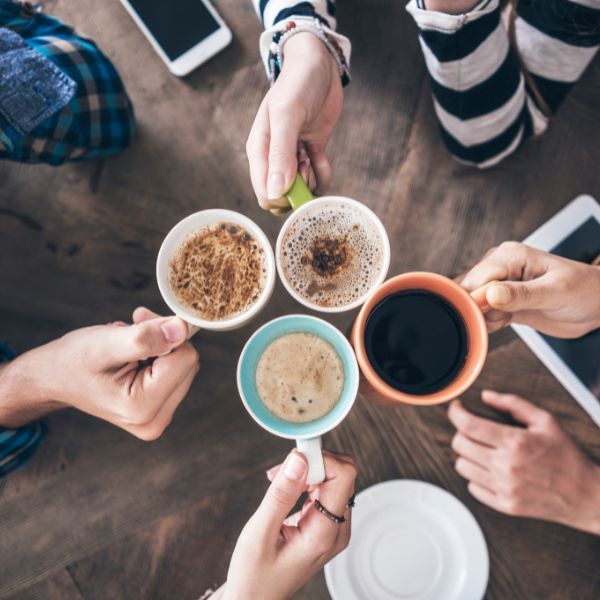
[17, 445]
[42, 61]
[482, 87]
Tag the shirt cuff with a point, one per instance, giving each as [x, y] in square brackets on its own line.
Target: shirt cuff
[439, 21]
[17, 445]
[266, 39]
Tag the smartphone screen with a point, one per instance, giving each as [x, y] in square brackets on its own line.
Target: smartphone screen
[177, 25]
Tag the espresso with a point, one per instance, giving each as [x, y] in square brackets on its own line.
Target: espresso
[416, 342]
[300, 377]
[218, 272]
[332, 256]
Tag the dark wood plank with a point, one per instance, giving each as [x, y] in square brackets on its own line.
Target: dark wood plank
[97, 513]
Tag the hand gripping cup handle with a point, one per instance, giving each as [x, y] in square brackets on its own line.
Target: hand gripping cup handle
[299, 194]
[311, 448]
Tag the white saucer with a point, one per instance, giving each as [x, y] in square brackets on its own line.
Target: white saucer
[410, 541]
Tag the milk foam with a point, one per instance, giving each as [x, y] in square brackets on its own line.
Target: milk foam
[360, 239]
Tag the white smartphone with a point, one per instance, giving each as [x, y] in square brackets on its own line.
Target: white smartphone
[184, 33]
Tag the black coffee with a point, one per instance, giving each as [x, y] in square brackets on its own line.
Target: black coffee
[416, 342]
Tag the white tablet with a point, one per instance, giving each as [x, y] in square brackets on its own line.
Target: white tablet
[574, 233]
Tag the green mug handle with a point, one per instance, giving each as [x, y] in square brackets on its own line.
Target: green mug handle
[299, 194]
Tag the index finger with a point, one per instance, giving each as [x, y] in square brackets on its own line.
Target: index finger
[510, 261]
[477, 428]
[257, 150]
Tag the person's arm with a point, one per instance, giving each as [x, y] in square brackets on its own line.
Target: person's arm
[277, 554]
[102, 370]
[532, 471]
[74, 105]
[307, 63]
[554, 295]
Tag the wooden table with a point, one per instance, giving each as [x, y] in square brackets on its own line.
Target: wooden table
[99, 514]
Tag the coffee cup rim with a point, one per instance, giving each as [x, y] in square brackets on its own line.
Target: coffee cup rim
[474, 322]
[173, 241]
[319, 427]
[295, 215]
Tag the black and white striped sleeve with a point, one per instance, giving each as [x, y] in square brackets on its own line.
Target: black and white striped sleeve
[484, 107]
[275, 14]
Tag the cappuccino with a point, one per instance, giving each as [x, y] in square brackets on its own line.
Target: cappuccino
[300, 377]
[332, 255]
[218, 272]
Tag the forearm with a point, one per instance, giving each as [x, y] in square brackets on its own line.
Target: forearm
[22, 392]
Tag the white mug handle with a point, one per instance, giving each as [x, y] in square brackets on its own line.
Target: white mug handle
[311, 448]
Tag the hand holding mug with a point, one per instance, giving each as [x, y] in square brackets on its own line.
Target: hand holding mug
[294, 122]
[536, 471]
[275, 554]
[98, 370]
[554, 295]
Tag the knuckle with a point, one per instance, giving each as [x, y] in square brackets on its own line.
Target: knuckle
[323, 546]
[348, 471]
[279, 497]
[455, 444]
[517, 445]
[547, 421]
[150, 432]
[511, 247]
[511, 506]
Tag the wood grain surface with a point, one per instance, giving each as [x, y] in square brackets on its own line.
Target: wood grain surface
[99, 514]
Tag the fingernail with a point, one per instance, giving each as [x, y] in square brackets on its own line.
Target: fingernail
[499, 294]
[275, 186]
[294, 467]
[174, 330]
[270, 471]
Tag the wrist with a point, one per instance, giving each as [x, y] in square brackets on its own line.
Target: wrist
[23, 393]
[306, 48]
[587, 515]
[596, 295]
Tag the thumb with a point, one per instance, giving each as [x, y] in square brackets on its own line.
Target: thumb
[513, 296]
[283, 146]
[282, 495]
[148, 339]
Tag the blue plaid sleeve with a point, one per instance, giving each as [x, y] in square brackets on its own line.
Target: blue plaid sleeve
[98, 121]
[17, 445]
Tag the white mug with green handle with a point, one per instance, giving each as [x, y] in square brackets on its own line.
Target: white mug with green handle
[304, 204]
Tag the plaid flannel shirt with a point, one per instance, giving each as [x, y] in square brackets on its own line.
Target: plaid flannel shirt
[17, 445]
[98, 118]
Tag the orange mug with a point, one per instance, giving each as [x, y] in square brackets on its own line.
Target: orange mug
[470, 308]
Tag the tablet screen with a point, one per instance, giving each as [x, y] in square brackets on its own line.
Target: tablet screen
[581, 355]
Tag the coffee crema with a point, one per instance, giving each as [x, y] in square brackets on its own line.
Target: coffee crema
[332, 256]
[218, 272]
[300, 377]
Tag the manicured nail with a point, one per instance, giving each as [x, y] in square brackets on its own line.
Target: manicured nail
[275, 186]
[174, 330]
[294, 467]
[499, 294]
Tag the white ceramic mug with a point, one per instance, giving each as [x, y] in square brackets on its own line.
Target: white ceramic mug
[172, 243]
[302, 201]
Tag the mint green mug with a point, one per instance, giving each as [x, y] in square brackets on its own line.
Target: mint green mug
[307, 435]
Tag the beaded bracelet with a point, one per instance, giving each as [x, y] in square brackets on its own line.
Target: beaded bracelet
[275, 59]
